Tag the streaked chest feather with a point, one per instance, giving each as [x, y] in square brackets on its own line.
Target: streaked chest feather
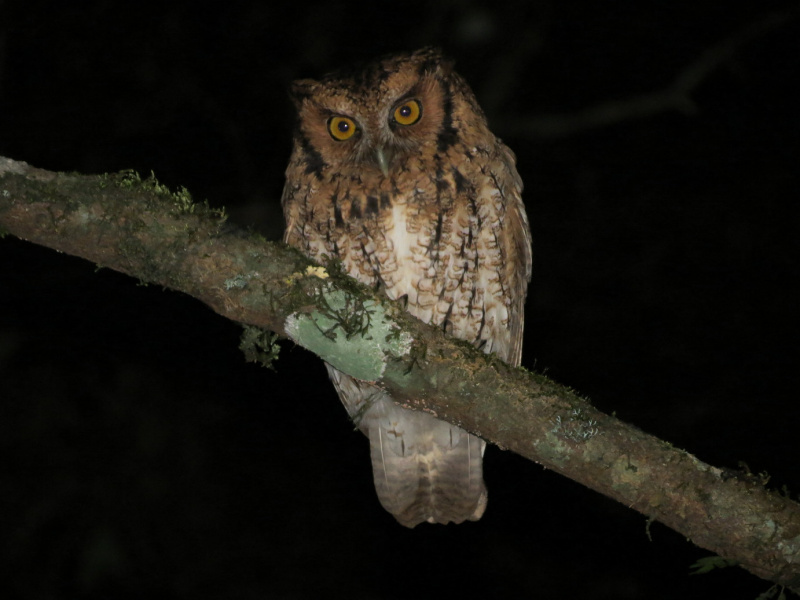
[437, 245]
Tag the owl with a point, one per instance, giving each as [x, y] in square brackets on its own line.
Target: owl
[395, 173]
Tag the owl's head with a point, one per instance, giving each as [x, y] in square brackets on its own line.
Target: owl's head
[377, 116]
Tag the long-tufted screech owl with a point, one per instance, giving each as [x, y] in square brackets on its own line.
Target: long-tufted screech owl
[395, 173]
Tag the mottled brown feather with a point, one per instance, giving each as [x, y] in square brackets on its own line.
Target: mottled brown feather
[445, 227]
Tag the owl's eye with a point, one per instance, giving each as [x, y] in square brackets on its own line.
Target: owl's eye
[408, 112]
[341, 128]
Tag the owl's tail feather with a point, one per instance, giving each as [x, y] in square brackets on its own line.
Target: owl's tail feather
[424, 469]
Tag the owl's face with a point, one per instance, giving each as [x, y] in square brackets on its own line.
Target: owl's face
[377, 117]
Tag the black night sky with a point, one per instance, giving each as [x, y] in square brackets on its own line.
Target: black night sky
[142, 456]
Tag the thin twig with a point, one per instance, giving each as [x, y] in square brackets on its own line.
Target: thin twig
[674, 97]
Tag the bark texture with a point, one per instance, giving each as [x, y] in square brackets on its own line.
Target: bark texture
[139, 228]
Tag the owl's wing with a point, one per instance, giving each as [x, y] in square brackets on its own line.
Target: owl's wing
[424, 469]
[517, 242]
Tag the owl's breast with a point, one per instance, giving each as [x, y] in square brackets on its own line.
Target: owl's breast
[435, 243]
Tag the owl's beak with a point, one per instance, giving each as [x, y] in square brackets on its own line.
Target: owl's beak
[383, 157]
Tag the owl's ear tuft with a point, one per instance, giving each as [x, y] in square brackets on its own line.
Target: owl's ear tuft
[432, 60]
[302, 89]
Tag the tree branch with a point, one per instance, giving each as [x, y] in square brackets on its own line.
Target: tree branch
[677, 96]
[140, 228]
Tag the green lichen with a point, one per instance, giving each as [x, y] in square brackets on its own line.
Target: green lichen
[182, 201]
[238, 282]
[260, 346]
[352, 334]
[775, 592]
[709, 563]
[575, 426]
[343, 312]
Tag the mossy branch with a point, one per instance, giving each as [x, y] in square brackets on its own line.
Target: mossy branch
[137, 227]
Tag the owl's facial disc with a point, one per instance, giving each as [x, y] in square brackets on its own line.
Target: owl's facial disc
[377, 138]
[404, 115]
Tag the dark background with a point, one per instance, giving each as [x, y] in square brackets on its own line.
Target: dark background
[142, 456]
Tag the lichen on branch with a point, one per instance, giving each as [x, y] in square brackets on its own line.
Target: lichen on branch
[138, 227]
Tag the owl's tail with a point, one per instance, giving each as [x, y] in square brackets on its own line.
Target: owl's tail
[424, 469]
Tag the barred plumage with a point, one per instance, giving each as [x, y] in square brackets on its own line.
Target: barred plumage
[395, 173]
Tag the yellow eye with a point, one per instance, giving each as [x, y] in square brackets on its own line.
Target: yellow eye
[341, 128]
[408, 112]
